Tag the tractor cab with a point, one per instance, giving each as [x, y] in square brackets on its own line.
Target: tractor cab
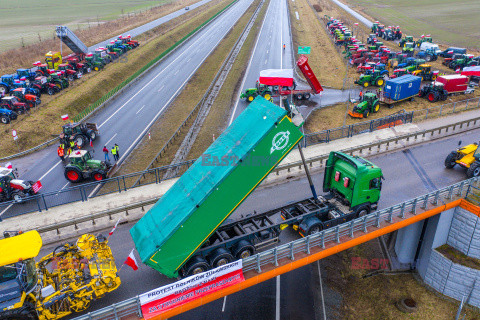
[7, 172]
[80, 158]
[12, 103]
[83, 166]
[18, 272]
[10, 80]
[370, 97]
[399, 72]
[53, 59]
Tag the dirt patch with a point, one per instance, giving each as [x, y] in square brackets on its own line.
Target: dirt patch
[459, 257]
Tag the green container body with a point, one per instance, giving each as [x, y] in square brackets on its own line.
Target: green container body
[364, 185]
[214, 186]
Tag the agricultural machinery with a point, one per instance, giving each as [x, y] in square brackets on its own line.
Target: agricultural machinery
[42, 84]
[93, 62]
[112, 49]
[397, 32]
[260, 90]
[369, 104]
[414, 64]
[374, 77]
[12, 103]
[12, 188]
[7, 115]
[128, 40]
[428, 55]
[30, 99]
[433, 92]
[388, 34]
[8, 83]
[53, 59]
[105, 55]
[466, 61]
[409, 48]
[425, 72]
[398, 73]
[27, 75]
[467, 157]
[82, 133]
[83, 166]
[372, 38]
[76, 65]
[404, 40]
[423, 39]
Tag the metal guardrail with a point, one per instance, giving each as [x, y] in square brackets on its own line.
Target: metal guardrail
[304, 245]
[157, 175]
[101, 102]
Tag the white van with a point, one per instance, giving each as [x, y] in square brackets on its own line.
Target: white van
[427, 45]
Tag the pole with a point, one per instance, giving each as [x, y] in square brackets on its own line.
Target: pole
[310, 182]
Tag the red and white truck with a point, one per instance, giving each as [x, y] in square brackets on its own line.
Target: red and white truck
[455, 84]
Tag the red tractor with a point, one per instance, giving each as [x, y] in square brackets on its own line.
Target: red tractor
[70, 74]
[43, 85]
[15, 189]
[30, 99]
[12, 103]
[398, 73]
[128, 40]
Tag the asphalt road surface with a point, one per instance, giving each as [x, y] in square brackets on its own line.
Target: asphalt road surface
[127, 118]
[150, 25]
[408, 173]
[354, 13]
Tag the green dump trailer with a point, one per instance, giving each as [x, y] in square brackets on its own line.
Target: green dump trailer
[173, 230]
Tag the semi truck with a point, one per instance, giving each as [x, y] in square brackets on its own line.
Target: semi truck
[62, 282]
[185, 232]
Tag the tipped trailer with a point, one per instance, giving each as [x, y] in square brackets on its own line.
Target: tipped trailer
[185, 232]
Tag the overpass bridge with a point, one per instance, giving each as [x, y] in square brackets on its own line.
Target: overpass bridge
[290, 256]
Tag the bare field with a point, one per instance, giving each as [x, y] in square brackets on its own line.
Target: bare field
[449, 22]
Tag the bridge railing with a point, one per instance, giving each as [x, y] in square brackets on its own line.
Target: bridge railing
[131, 307]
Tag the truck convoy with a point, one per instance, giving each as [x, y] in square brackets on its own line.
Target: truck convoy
[185, 232]
[64, 281]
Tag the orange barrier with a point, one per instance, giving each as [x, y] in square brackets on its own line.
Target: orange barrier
[253, 280]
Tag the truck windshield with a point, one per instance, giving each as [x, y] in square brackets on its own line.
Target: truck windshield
[7, 273]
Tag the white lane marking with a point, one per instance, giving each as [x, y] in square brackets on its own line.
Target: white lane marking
[161, 110]
[65, 185]
[50, 170]
[140, 109]
[6, 209]
[321, 290]
[267, 51]
[277, 300]
[265, 61]
[175, 73]
[248, 68]
[224, 301]
[106, 143]
[164, 69]
[161, 88]
[189, 59]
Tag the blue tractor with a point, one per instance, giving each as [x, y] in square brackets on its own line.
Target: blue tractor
[428, 55]
[9, 83]
[7, 115]
[27, 75]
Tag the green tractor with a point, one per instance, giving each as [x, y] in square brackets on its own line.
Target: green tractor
[370, 104]
[260, 90]
[434, 92]
[414, 65]
[81, 133]
[111, 48]
[371, 78]
[405, 40]
[83, 166]
[409, 48]
[93, 62]
[423, 39]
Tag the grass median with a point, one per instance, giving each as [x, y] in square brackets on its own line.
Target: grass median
[194, 90]
[46, 122]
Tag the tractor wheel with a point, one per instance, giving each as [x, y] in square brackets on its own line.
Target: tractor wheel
[73, 174]
[71, 78]
[81, 140]
[366, 113]
[250, 98]
[432, 97]
[50, 91]
[96, 68]
[428, 58]
[450, 160]
[19, 196]
[3, 89]
[306, 96]
[267, 95]
[31, 104]
[59, 86]
[4, 119]
[92, 134]
[366, 84]
[376, 107]
[434, 77]
[474, 170]
[98, 176]
[379, 82]
[299, 96]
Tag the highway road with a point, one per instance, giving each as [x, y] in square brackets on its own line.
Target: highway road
[408, 173]
[354, 13]
[127, 118]
[152, 24]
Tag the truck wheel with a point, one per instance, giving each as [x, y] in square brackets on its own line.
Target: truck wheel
[19, 196]
[4, 119]
[220, 257]
[450, 160]
[73, 174]
[306, 96]
[196, 265]
[243, 249]
[98, 176]
[315, 228]
[299, 96]
[362, 211]
[474, 170]
[81, 140]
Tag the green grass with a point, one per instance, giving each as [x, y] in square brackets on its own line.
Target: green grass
[449, 22]
[28, 19]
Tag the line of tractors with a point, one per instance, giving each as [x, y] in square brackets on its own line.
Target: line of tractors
[26, 86]
[378, 65]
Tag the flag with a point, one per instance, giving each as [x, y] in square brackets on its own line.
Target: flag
[65, 117]
[115, 227]
[91, 143]
[9, 165]
[131, 261]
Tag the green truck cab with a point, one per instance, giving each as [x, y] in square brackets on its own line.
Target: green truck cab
[353, 181]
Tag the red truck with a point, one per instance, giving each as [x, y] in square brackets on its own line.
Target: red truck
[455, 83]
